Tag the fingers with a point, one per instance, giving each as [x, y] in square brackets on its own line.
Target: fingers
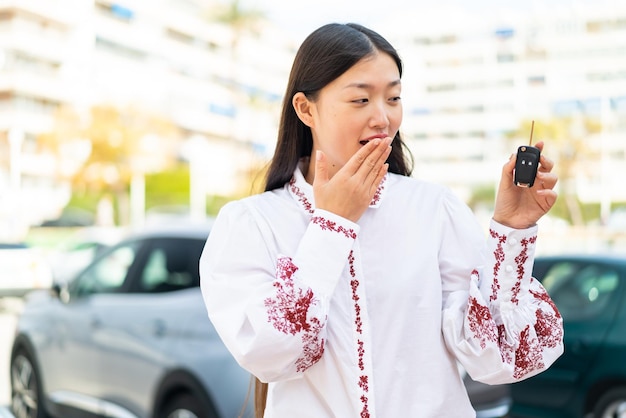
[321, 169]
[548, 199]
[370, 157]
[546, 180]
[507, 169]
[381, 173]
[545, 164]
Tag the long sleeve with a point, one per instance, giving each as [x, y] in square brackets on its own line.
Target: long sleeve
[267, 291]
[499, 322]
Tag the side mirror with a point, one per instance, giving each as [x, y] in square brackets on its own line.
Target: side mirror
[60, 290]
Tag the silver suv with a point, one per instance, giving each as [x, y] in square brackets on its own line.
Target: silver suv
[127, 337]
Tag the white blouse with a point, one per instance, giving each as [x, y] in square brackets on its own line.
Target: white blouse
[368, 319]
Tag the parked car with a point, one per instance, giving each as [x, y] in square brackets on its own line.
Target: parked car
[23, 268]
[589, 379]
[489, 401]
[76, 251]
[128, 336]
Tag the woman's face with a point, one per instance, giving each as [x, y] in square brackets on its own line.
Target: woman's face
[362, 104]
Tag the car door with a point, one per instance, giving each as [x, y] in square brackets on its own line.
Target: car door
[139, 325]
[586, 292]
[71, 356]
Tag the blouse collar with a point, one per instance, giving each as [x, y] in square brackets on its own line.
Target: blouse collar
[302, 191]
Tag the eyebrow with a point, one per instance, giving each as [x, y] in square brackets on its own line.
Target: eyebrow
[369, 86]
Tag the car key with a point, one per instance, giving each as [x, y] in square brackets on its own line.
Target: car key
[527, 163]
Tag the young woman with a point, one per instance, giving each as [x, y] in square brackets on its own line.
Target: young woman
[352, 289]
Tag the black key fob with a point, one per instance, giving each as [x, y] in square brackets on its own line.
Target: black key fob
[526, 165]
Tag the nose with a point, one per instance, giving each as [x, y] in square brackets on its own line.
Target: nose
[380, 116]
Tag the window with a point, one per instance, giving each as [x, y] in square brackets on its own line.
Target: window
[171, 264]
[115, 11]
[108, 274]
[581, 290]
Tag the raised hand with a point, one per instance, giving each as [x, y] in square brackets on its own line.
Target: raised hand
[522, 207]
[349, 192]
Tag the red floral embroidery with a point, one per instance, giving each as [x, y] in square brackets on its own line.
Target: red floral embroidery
[289, 310]
[506, 350]
[481, 322]
[548, 329]
[499, 256]
[301, 196]
[358, 322]
[313, 346]
[520, 260]
[363, 383]
[379, 190]
[326, 224]
[365, 413]
[527, 356]
[543, 296]
[361, 354]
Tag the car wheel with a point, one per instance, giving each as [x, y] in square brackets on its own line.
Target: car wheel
[186, 406]
[26, 400]
[612, 404]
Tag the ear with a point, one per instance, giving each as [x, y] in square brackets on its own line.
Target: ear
[304, 108]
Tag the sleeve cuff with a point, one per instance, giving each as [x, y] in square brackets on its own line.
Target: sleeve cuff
[325, 248]
[513, 253]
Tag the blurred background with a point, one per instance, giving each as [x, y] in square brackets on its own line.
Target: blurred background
[119, 114]
[116, 114]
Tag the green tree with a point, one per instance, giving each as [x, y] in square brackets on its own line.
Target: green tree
[240, 19]
[107, 147]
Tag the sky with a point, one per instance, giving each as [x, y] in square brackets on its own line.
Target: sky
[302, 17]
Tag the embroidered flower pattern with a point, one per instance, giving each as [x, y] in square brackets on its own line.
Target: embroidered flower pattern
[544, 297]
[379, 191]
[545, 327]
[506, 349]
[520, 260]
[525, 350]
[481, 322]
[358, 322]
[528, 356]
[289, 313]
[306, 204]
[326, 224]
[499, 256]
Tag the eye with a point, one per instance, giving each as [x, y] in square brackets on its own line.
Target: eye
[364, 100]
[395, 99]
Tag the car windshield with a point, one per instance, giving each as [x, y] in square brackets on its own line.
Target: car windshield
[580, 290]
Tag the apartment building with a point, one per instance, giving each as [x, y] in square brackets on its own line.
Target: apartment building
[221, 87]
[472, 79]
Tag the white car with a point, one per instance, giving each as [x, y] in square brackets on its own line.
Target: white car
[23, 269]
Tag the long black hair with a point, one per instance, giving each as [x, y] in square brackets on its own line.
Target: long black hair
[326, 54]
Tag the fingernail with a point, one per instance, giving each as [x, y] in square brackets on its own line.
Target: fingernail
[318, 155]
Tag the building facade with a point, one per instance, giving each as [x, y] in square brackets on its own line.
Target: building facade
[221, 87]
[472, 81]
